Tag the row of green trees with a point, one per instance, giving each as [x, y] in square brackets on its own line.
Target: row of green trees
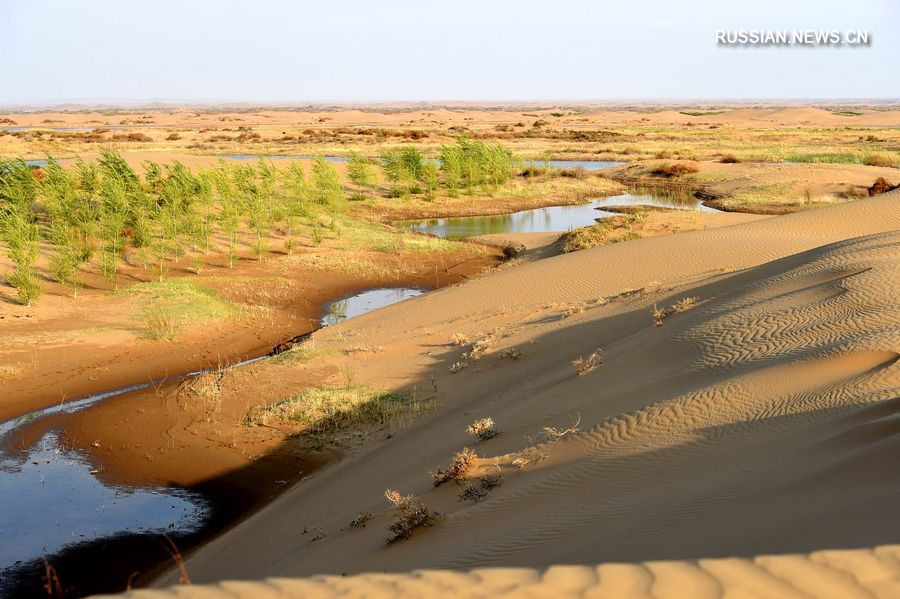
[100, 211]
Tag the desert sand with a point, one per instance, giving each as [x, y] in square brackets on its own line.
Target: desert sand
[758, 419]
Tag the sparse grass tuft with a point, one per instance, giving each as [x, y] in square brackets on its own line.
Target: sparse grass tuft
[483, 428]
[461, 464]
[168, 305]
[409, 513]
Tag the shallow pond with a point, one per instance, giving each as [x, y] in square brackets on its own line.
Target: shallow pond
[542, 220]
[53, 500]
[361, 303]
[588, 165]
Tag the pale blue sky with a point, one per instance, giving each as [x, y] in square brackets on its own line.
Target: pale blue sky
[356, 50]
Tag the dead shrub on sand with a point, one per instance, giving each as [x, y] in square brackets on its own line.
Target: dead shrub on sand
[483, 429]
[458, 366]
[510, 353]
[660, 314]
[409, 513]
[552, 433]
[478, 491]
[527, 457]
[461, 464]
[361, 520]
[459, 339]
[478, 350]
[729, 159]
[585, 365]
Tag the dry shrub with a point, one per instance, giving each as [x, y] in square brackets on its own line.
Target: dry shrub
[676, 170]
[585, 365]
[460, 339]
[729, 159]
[552, 433]
[173, 136]
[881, 185]
[483, 428]
[461, 464]
[361, 520]
[409, 513]
[510, 353]
[484, 486]
[458, 366]
[659, 314]
[527, 457]
[132, 137]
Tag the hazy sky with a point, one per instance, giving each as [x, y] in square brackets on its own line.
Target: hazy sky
[357, 50]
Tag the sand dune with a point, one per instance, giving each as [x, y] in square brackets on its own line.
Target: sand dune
[761, 419]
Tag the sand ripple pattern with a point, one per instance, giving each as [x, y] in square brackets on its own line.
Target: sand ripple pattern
[847, 574]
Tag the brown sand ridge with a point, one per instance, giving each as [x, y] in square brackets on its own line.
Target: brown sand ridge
[758, 419]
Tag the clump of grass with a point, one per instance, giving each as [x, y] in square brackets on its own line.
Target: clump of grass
[659, 314]
[607, 230]
[299, 354]
[409, 513]
[323, 409]
[729, 159]
[159, 325]
[461, 464]
[483, 429]
[676, 169]
[585, 365]
[882, 159]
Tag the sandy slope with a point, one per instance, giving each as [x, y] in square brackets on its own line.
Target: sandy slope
[762, 420]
